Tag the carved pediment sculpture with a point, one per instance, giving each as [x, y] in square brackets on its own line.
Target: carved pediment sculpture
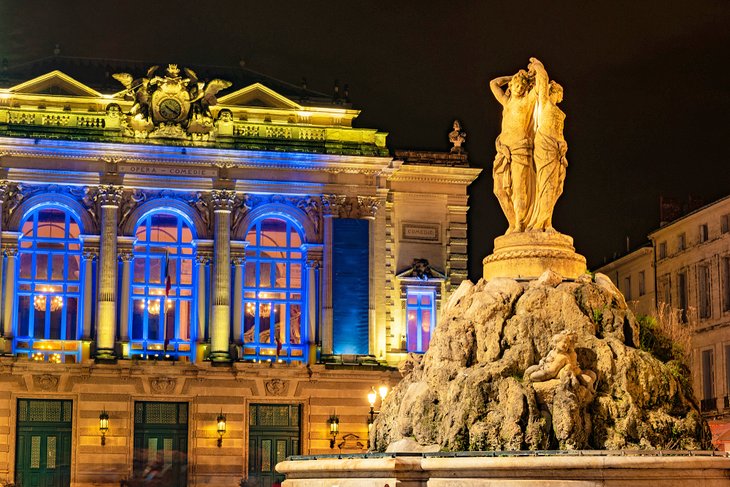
[276, 387]
[163, 385]
[171, 106]
[46, 382]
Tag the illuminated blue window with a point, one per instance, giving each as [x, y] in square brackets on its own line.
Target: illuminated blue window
[272, 325]
[420, 318]
[48, 308]
[162, 286]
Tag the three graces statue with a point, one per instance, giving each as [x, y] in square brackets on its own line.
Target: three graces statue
[530, 165]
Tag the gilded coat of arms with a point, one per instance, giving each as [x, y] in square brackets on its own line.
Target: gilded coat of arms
[171, 106]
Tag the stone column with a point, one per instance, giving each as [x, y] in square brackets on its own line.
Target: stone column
[4, 187]
[310, 306]
[201, 260]
[124, 301]
[12, 253]
[88, 260]
[238, 263]
[109, 197]
[222, 201]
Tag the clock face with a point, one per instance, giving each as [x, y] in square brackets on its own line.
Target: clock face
[170, 109]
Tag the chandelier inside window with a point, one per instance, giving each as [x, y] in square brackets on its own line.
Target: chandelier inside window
[153, 305]
[42, 300]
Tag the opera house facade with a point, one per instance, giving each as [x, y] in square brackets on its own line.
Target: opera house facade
[204, 271]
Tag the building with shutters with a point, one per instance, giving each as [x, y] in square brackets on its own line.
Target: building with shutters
[201, 268]
[688, 264]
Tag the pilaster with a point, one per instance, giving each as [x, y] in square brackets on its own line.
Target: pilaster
[109, 198]
[223, 202]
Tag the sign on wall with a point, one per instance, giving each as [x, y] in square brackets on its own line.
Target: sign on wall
[421, 232]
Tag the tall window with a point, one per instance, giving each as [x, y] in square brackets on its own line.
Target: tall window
[162, 286]
[703, 285]
[272, 327]
[708, 381]
[704, 233]
[724, 223]
[662, 250]
[725, 263]
[681, 241]
[642, 283]
[49, 286]
[682, 295]
[627, 287]
[420, 318]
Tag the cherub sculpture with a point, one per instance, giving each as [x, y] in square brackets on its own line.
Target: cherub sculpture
[562, 364]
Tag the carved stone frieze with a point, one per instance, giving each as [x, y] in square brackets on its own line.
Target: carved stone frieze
[163, 385]
[46, 382]
[276, 387]
[350, 207]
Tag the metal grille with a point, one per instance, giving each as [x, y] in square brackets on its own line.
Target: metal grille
[183, 414]
[160, 413]
[42, 411]
[274, 415]
[139, 412]
[35, 452]
[51, 452]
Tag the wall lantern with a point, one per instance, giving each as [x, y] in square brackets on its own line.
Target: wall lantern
[221, 420]
[103, 425]
[372, 397]
[334, 423]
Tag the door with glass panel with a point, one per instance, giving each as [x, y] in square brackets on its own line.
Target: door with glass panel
[161, 443]
[274, 432]
[43, 443]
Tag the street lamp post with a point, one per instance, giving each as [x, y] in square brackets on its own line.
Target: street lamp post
[372, 397]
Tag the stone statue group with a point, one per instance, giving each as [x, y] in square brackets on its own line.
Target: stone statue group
[529, 169]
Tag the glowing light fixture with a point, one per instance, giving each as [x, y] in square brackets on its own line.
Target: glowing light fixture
[41, 301]
[334, 423]
[221, 420]
[103, 425]
[372, 397]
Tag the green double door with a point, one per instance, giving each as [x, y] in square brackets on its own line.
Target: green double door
[273, 435]
[161, 443]
[43, 443]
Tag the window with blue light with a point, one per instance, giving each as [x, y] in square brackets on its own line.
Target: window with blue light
[162, 287]
[420, 318]
[48, 291]
[272, 327]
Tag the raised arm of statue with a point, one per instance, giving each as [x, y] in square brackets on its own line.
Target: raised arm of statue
[496, 86]
[541, 79]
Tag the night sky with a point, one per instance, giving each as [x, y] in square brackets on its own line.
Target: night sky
[647, 84]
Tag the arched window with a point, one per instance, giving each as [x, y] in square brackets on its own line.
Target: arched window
[48, 308]
[162, 286]
[273, 328]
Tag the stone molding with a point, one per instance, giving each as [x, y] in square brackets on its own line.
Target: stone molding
[163, 385]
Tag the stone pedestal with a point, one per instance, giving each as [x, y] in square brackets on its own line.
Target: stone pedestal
[526, 255]
[513, 469]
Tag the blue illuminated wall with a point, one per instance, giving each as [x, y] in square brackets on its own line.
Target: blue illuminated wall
[350, 285]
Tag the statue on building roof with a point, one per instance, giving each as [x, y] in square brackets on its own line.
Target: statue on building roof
[457, 137]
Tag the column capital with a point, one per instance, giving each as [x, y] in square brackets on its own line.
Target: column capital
[332, 205]
[4, 189]
[368, 206]
[202, 258]
[126, 256]
[238, 260]
[222, 199]
[313, 263]
[90, 254]
[11, 251]
[110, 195]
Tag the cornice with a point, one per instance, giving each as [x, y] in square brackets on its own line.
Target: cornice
[155, 154]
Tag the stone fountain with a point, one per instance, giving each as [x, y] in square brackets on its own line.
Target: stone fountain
[534, 375]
